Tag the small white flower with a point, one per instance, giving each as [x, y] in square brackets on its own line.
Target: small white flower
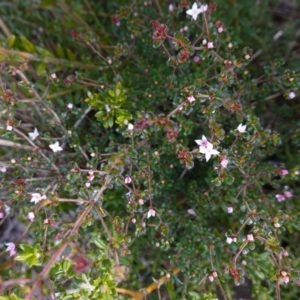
[33, 135]
[208, 151]
[171, 7]
[133, 220]
[53, 76]
[130, 127]
[210, 45]
[37, 197]
[241, 128]
[151, 213]
[9, 128]
[55, 147]
[141, 201]
[292, 95]
[30, 216]
[203, 142]
[229, 240]
[195, 11]
[210, 278]
[70, 105]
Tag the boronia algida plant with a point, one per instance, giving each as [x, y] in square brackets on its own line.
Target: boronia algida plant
[139, 159]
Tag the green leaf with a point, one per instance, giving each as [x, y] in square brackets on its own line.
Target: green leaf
[60, 51]
[41, 68]
[28, 46]
[10, 41]
[70, 55]
[99, 243]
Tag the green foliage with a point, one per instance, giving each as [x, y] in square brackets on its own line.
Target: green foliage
[130, 205]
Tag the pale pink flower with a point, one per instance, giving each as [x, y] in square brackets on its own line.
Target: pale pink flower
[284, 172]
[191, 212]
[280, 197]
[203, 142]
[87, 184]
[210, 45]
[11, 248]
[30, 216]
[230, 209]
[196, 59]
[224, 162]
[91, 176]
[287, 194]
[128, 179]
[70, 105]
[1, 214]
[151, 213]
[9, 128]
[292, 95]
[191, 99]
[141, 201]
[210, 278]
[208, 151]
[250, 238]
[37, 197]
[3, 169]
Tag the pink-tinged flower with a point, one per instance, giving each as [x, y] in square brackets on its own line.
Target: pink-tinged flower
[33, 135]
[171, 7]
[292, 95]
[241, 128]
[11, 248]
[9, 128]
[91, 176]
[287, 194]
[1, 214]
[210, 278]
[70, 105]
[224, 162]
[3, 169]
[195, 11]
[196, 59]
[191, 212]
[220, 29]
[30, 216]
[280, 197]
[210, 45]
[208, 151]
[284, 172]
[87, 184]
[133, 220]
[151, 213]
[203, 142]
[191, 99]
[128, 179]
[250, 238]
[55, 147]
[37, 197]
[141, 201]
[284, 277]
[230, 209]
